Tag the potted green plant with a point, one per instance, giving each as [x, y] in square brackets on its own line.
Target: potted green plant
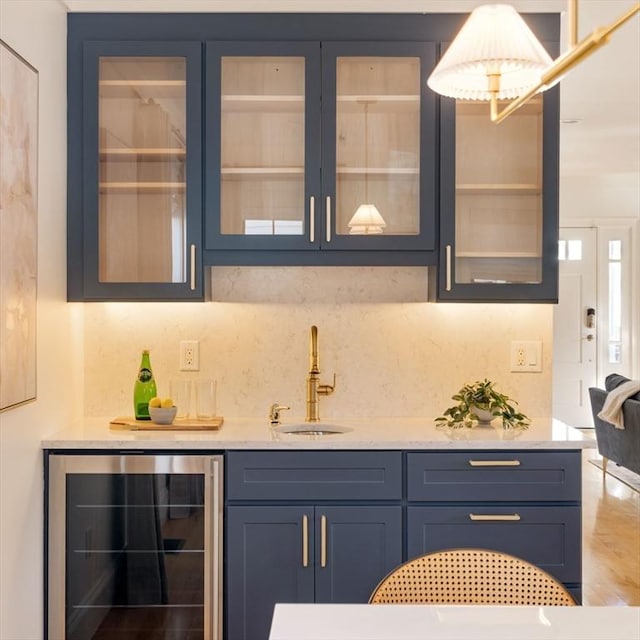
[479, 402]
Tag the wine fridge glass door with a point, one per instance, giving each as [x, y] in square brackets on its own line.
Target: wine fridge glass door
[134, 547]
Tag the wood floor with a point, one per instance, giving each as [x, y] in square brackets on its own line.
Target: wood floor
[610, 538]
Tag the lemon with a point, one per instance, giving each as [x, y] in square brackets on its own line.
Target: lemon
[166, 403]
[155, 402]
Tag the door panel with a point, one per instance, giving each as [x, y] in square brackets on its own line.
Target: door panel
[575, 344]
[361, 545]
[265, 547]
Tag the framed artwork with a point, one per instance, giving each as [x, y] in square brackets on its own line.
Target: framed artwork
[18, 227]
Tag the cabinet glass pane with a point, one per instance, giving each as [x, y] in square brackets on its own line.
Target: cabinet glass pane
[378, 145]
[262, 146]
[142, 153]
[498, 195]
[134, 556]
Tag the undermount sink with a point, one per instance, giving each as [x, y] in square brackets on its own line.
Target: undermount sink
[311, 429]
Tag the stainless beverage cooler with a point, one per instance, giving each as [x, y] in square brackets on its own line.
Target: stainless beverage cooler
[135, 547]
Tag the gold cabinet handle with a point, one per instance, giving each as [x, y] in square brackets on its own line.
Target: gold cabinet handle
[192, 279]
[305, 541]
[328, 218]
[312, 219]
[494, 463]
[447, 285]
[323, 541]
[510, 517]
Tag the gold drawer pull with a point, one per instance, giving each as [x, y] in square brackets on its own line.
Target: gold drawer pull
[312, 219]
[494, 463]
[305, 541]
[510, 517]
[323, 541]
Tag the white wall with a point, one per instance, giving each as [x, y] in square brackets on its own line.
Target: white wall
[37, 31]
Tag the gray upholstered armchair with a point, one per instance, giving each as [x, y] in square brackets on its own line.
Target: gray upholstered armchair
[622, 446]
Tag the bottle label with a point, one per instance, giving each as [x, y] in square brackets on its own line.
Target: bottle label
[142, 411]
[145, 375]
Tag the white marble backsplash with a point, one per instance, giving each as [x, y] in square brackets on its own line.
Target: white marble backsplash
[391, 358]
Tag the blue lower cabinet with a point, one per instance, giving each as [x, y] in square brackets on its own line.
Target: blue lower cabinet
[304, 554]
[547, 536]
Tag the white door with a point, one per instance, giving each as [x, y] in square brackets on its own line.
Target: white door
[575, 327]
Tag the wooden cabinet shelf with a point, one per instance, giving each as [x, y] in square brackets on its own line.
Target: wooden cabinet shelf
[141, 88]
[262, 103]
[261, 173]
[382, 171]
[379, 103]
[142, 187]
[504, 255]
[130, 154]
[499, 189]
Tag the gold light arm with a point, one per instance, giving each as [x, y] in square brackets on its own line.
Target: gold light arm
[572, 20]
[563, 64]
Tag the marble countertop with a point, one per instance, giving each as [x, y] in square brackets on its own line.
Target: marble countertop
[378, 433]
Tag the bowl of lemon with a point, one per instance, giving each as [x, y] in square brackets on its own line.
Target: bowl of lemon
[162, 410]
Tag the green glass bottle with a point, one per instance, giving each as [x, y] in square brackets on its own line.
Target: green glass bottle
[144, 388]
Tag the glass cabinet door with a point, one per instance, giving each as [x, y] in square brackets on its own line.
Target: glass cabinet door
[145, 162]
[498, 237]
[378, 164]
[142, 204]
[499, 202]
[262, 144]
[131, 548]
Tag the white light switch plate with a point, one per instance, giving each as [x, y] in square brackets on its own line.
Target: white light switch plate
[526, 356]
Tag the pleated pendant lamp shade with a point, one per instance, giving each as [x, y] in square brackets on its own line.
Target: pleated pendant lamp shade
[494, 39]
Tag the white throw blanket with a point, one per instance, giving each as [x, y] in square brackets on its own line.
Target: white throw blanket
[612, 408]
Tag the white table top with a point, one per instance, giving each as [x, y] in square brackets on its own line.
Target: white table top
[453, 622]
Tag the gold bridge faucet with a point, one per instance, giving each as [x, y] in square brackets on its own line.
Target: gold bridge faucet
[314, 388]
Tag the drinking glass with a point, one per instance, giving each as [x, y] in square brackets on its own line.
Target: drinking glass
[205, 399]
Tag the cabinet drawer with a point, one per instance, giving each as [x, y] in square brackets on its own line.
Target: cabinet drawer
[494, 476]
[548, 537]
[314, 475]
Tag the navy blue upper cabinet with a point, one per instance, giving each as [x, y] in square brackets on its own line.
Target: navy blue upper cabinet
[298, 139]
[319, 146]
[134, 197]
[499, 202]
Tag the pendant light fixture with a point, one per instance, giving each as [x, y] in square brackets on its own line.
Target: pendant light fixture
[367, 219]
[495, 56]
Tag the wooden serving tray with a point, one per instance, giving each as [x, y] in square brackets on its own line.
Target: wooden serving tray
[179, 424]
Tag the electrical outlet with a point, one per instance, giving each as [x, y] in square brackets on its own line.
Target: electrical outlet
[526, 356]
[189, 355]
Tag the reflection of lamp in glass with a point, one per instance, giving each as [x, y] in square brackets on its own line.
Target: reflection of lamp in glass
[367, 219]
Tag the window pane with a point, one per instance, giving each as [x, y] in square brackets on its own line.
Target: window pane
[574, 249]
[615, 353]
[615, 301]
[562, 249]
[615, 249]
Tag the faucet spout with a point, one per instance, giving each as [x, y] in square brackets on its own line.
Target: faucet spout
[313, 351]
[314, 388]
